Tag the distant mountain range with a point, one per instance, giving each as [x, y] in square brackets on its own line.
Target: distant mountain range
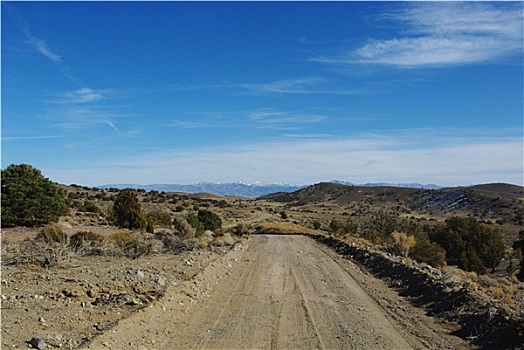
[253, 190]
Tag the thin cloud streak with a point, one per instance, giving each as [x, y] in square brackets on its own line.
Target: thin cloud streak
[42, 47]
[26, 138]
[303, 85]
[80, 96]
[283, 120]
[80, 109]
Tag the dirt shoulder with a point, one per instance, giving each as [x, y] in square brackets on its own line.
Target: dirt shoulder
[84, 296]
[280, 292]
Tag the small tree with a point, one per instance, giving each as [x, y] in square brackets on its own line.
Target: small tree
[127, 212]
[469, 244]
[210, 220]
[192, 219]
[429, 252]
[381, 225]
[28, 198]
[335, 227]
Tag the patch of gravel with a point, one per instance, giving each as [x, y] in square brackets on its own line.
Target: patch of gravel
[68, 305]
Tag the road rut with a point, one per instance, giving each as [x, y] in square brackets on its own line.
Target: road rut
[279, 292]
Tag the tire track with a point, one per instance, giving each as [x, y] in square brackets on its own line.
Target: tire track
[310, 317]
[282, 292]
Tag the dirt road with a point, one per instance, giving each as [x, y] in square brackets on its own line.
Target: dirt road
[280, 292]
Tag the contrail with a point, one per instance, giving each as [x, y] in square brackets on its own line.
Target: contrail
[112, 126]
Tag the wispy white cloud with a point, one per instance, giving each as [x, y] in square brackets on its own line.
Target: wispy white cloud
[288, 86]
[444, 33]
[25, 138]
[446, 160]
[80, 109]
[192, 124]
[301, 85]
[79, 96]
[84, 95]
[308, 136]
[283, 120]
[41, 46]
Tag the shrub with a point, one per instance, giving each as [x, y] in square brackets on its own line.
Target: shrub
[52, 234]
[131, 245]
[48, 248]
[382, 224]
[86, 240]
[28, 198]
[183, 229]
[241, 230]
[159, 218]
[121, 239]
[91, 207]
[192, 219]
[429, 252]
[222, 204]
[210, 220]
[403, 242]
[172, 242]
[317, 225]
[335, 227]
[283, 215]
[469, 244]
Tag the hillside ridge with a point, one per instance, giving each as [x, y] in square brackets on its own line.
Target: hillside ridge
[483, 201]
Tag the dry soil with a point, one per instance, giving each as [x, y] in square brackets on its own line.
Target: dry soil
[279, 292]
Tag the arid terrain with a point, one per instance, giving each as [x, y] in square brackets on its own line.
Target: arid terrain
[301, 288]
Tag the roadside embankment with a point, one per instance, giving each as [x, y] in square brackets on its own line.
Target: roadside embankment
[483, 321]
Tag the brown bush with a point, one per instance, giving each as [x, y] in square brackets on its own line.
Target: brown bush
[87, 242]
[183, 229]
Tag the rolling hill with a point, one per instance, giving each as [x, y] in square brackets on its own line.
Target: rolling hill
[489, 201]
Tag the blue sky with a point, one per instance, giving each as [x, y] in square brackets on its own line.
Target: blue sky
[299, 92]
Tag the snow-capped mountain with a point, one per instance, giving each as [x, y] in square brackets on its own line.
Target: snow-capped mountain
[224, 189]
[252, 190]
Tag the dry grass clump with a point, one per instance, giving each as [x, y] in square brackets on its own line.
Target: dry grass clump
[51, 246]
[359, 242]
[183, 229]
[51, 235]
[87, 242]
[174, 243]
[241, 229]
[47, 249]
[131, 245]
[507, 292]
[403, 243]
[284, 228]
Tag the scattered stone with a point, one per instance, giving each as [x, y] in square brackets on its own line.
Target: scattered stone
[93, 292]
[161, 280]
[73, 292]
[37, 343]
[41, 320]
